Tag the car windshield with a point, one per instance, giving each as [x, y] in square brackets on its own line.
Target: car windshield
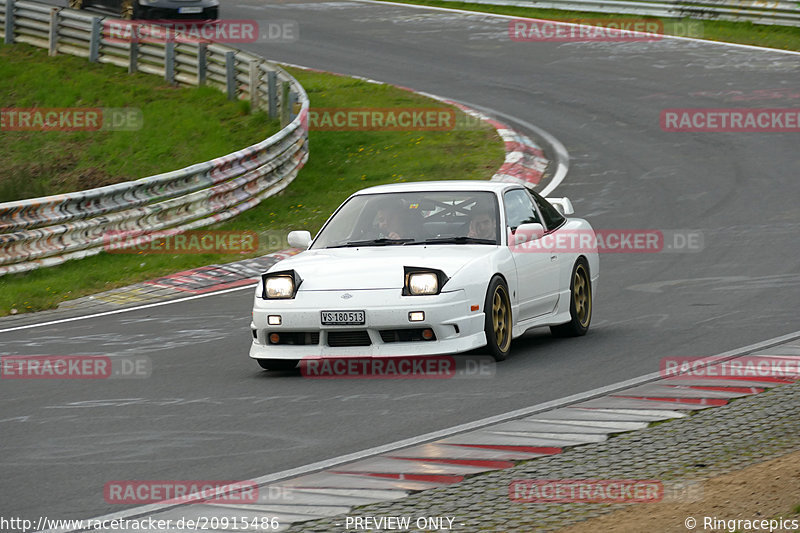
[413, 218]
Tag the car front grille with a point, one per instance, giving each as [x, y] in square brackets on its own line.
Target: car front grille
[340, 338]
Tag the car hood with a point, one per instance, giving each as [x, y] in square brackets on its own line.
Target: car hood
[376, 267]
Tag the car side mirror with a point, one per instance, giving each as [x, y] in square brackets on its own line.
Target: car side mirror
[526, 233]
[300, 239]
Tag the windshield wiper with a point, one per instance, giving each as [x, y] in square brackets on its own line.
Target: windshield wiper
[373, 242]
[457, 240]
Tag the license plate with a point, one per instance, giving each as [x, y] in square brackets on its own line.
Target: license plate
[190, 10]
[342, 318]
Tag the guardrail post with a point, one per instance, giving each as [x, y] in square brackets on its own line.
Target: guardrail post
[52, 41]
[272, 94]
[230, 75]
[94, 40]
[133, 55]
[201, 63]
[9, 26]
[292, 103]
[254, 82]
[284, 103]
[169, 62]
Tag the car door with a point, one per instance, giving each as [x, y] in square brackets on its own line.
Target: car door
[563, 246]
[537, 267]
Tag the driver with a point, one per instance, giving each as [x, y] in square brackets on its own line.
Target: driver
[482, 225]
[390, 222]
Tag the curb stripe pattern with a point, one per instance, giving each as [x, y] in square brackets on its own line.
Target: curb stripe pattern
[525, 162]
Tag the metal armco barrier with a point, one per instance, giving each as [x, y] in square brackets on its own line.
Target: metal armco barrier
[756, 11]
[48, 231]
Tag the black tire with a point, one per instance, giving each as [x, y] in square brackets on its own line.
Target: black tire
[580, 303]
[497, 322]
[277, 364]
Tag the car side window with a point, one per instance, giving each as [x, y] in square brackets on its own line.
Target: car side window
[552, 217]
[519, 209]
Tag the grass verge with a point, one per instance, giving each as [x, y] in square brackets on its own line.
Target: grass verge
[341, 163]
[770, 36]
[179, 127]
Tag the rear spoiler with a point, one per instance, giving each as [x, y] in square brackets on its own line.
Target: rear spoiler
[562, 204]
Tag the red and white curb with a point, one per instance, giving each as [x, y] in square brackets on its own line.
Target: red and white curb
[525, 162]
[211, 278]
[394, 471]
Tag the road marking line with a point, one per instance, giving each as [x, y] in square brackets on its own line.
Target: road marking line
[127, 309]
[514, 17]
[561, 154]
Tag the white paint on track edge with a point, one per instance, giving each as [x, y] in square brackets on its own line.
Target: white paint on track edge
[469, 426]
[127, 309]
[564, 22]
[559, 151]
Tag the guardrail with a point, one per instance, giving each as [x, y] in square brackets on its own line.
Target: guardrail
[756, 11]
[50, 230]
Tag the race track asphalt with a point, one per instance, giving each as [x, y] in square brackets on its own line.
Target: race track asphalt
[208, 412]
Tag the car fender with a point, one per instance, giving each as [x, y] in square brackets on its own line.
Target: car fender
[474, 276]
[570, 256]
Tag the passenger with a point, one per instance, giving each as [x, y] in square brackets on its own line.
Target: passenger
[482, 225]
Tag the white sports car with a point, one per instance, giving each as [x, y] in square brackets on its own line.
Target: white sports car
[427, 268]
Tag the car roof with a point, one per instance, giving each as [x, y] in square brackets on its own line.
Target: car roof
[446, 185]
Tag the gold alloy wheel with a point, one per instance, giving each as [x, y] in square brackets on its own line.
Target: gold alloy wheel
[127, 9]
[501, 318]
[75, 4]
[582, 295]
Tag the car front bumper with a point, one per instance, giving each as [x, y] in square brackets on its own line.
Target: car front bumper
[174, 9]
[457, 328]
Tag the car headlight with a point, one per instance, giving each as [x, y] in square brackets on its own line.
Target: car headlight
[280, 285]
[423, 281]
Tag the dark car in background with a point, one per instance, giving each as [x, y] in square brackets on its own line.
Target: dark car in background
[155, 9]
